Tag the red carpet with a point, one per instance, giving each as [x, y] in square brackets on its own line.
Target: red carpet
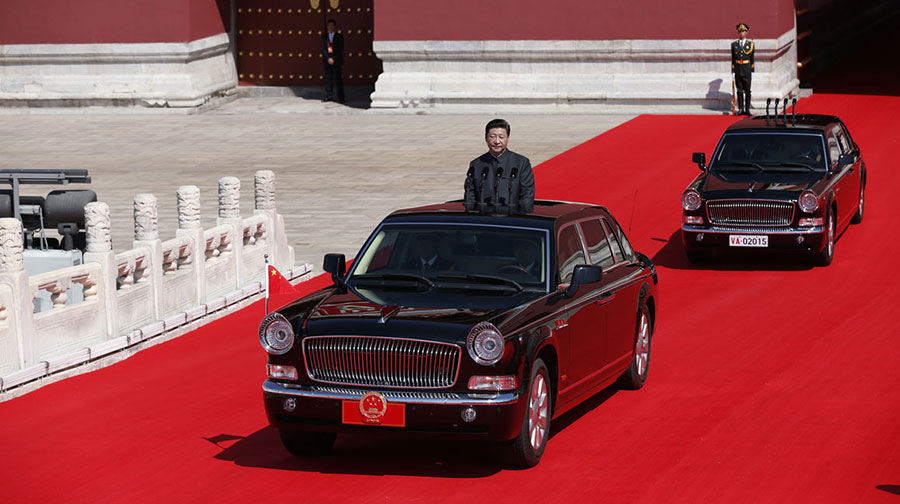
[769, 382]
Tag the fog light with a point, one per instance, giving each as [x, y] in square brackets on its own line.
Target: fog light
[699, 236]
[279, 372]
[289, 404]
[468, 415]
[812, 221]
[800, 239]
[693, 219]
[492, 383]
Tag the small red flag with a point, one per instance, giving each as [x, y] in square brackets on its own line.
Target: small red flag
[279, 291]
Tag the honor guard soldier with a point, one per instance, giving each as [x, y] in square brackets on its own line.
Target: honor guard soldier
[499, 181]
[742, 52]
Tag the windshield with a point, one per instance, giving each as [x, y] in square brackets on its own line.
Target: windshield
[447, 255]
[770, 152]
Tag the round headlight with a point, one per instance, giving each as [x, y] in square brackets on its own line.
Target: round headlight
[276, 334]
[485, 344]
[690, 200]
[808, 201]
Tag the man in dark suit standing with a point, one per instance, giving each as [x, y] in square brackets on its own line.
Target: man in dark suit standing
[742, 64]
[333, 59]
[499, 181]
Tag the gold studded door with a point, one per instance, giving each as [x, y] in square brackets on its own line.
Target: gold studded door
[279, 41]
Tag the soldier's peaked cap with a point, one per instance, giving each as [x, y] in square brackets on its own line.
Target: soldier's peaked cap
[743, 27]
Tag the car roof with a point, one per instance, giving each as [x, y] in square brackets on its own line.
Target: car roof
[544, 211]
[784, 123]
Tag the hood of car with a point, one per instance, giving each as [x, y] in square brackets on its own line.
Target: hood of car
[771, 185]
[378, 312]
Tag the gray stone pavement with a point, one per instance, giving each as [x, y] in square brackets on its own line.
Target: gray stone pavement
[339, 169]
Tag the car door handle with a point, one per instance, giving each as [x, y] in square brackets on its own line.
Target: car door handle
[605, 298]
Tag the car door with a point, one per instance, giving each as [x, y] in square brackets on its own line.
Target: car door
[850, 176]
[587, 320]
[621, 281]
[844, 196]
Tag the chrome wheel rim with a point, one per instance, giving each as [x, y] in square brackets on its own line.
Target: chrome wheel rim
[642, 346]
[538, 407]
[830, 235]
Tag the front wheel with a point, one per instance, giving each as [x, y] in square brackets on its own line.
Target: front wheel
[303, 444]
[636, 375]
[528, 447]
[860, 210]
[825, 257]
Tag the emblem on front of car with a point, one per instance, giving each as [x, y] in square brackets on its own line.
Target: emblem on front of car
[372, 407]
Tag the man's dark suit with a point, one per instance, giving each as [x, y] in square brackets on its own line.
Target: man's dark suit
[503, 184]
[418, 264]
[333, 72]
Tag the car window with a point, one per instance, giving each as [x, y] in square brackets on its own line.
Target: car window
[834, 150]
[623, 241]
[614, 243]
[519, 254]
[597, 243]
[568, 253]
[765, 148]
[841, 138]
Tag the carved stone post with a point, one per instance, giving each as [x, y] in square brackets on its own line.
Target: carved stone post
[188, 201]
[230, 213]
[99, 250]
[146, 234]
[16, 353]
[264, 190]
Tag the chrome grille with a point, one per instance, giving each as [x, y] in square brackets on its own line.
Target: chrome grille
[750, 213]
[370, 361]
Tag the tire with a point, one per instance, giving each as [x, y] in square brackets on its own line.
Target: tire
[636, 375]
[860, 210]
[528, 447]
[825, 257]
[304, 444]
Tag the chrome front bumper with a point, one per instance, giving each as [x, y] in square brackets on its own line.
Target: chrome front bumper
[751, 230]
[394, 396]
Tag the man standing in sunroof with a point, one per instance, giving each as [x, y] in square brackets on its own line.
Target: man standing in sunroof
[499, 181]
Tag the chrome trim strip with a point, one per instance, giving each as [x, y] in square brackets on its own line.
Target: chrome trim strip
[786, 231]
[450, 399]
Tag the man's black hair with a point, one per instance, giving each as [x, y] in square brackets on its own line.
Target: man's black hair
[497, 123]
[331, 21]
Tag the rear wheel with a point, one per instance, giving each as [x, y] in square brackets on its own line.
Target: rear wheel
[528, 447]
[858, 217]
[304, 444]
[636, 375]
[825, 257]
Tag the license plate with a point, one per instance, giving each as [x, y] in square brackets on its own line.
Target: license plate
[748, 240]
[373, 409]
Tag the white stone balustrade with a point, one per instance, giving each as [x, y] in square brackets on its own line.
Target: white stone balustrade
[155, 288]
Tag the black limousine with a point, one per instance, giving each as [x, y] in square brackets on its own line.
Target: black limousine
[789, 183]
[466, 325]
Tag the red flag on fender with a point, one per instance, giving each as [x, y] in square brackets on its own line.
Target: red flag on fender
[279, 291]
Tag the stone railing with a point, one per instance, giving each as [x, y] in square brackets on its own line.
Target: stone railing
[118, 301]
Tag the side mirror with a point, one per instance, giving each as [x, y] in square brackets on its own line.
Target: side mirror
[847, 159]
[584, 274]
[335, 264]
[700, 159]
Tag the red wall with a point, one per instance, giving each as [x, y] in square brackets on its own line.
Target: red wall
[107, 21]
[578, 19]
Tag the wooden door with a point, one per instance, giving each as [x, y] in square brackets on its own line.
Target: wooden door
[279, 41]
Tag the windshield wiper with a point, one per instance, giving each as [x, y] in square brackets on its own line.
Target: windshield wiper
[741, 164]
[390, 279]
[483, 279]
[789, 166]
